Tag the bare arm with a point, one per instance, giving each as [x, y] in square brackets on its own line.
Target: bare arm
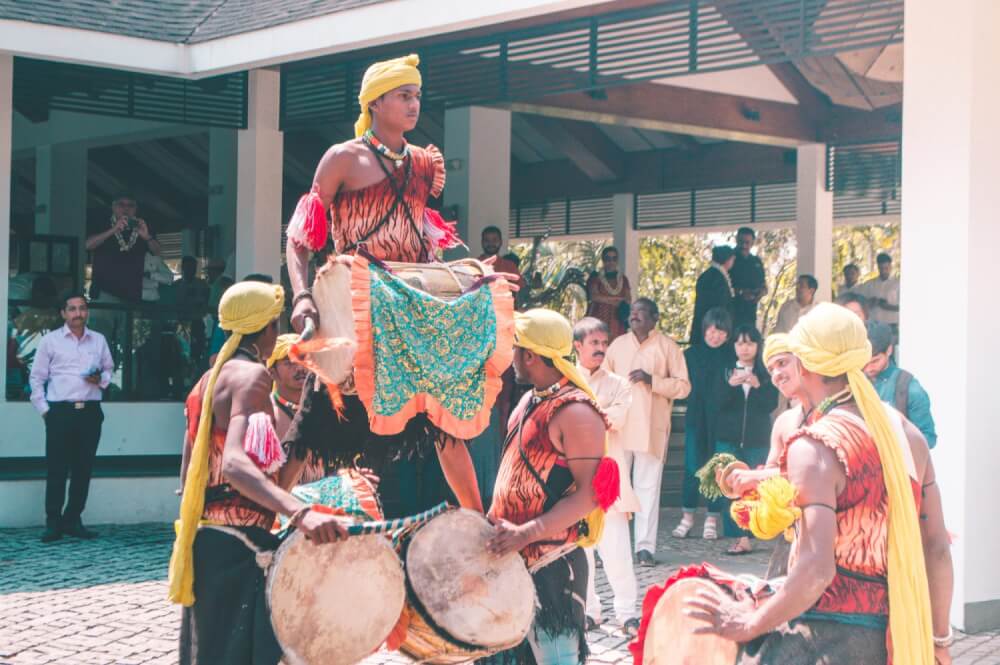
[456, 463]
[185, 458]
[579, 430]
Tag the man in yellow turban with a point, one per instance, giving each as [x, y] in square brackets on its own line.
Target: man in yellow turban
[857, 567]
[230, 495]
[546, 482]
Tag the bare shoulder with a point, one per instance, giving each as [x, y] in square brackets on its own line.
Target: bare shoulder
[814, 464]
[341, 155]
[578, 412]
[918, 445]
[789, 420]
[247, 385]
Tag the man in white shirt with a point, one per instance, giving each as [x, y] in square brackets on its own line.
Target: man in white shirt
[852, 280]
[795, 308]
[591, 338]
[883, 293]
[71, 367]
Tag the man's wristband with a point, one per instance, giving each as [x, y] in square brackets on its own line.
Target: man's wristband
[946, 641]
[302, 295]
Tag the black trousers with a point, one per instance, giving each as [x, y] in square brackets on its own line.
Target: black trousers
[71, 438]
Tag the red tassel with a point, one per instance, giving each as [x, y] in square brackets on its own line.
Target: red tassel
[308, 227]
[607, 483]
[443, 233]
[261, 443]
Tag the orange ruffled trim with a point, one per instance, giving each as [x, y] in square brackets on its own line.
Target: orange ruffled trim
[445, 420]
[438, 171]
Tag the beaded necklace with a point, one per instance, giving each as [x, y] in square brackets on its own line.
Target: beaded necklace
[251, 354]
[396, 157]
[539, 394]
[286, 405]
[619, 284]
[126, 245]
[835, 400]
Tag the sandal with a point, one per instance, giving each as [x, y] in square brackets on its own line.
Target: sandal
[739, 549]
[682, 529]
[631, 627]
[711, 529]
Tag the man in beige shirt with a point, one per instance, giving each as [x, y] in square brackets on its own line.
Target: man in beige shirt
[654, 365]
[591, 338]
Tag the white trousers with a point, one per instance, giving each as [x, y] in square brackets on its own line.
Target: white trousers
[615, 549]
[647, 475]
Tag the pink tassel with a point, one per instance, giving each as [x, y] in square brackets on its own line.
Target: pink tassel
[607, 483]
[308, 227]
[261, 443]
[442, 233]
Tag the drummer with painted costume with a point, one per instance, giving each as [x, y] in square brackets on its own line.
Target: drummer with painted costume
[230, 493]
[375, 188]
[858, 561]
[549, 480]
[591, 338]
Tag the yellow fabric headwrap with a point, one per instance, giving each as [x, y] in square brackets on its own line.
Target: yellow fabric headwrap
[550, 335]
[775, 344]
[831, 341]
[379, 79]
[245, 308]
[281, 348]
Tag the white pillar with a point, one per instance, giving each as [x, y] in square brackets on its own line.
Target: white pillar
[477, 141]
[61, 195]
[814, 218]
[626, 238]
[222, 158]
[6, 139]
[258, 216]
[949, 319]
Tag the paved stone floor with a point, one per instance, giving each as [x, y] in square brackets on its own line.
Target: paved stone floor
[104, 601]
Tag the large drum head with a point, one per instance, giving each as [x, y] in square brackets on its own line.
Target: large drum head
[334, 604]
[476, 597]
[669, 640]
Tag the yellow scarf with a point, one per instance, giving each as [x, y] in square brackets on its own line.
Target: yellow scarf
[831, 341]
[281, 348]
[245, 308]
[775, 344]
[548, 334]
[379, 79]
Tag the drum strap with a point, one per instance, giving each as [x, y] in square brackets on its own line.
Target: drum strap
[397, 202]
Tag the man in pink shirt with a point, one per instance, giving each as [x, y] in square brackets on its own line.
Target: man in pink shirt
[71, 367]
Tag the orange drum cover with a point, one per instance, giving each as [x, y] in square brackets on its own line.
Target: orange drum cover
[335, 603]
[475, 597]
[669, 640]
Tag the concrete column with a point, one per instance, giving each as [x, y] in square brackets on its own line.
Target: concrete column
[477, 145]
[222, 158]
[6, 140]
[61, 195]
[814, 218]
[949, 321]
[258, 216]
[626, 238]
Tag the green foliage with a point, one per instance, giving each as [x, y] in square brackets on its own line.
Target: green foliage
[553, 260]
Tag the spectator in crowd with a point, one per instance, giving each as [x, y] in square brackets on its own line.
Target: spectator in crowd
[743, 419]
[896, 386]
[855, 302]
[852, 276]
[609, 294]
[713, 288]
[614, 395]
[794, 308]
[883, 294]
[705, 362]
[190, 290]
[749, 282]
[71, 367]
[655, 366]
[155, 274]
[120, 253]
[492, 240]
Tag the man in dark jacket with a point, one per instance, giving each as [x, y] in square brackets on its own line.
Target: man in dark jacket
[749, 281]
[713, 289]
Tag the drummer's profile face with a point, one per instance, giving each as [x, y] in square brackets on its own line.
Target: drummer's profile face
[785, 374]
[289, 376]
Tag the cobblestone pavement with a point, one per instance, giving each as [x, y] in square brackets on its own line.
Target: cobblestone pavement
[104, 602]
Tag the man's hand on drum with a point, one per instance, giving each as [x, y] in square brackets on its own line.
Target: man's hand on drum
[304, 309]
[509, 537]
[322, 528]
[722, 615]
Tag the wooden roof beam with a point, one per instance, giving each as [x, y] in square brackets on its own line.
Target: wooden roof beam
[587, 147]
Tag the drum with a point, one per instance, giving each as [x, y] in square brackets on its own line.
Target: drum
[334, 604]
[331, 352]
[669, 637]
[463, 602]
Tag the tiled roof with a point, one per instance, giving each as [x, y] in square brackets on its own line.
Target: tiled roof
[177, 21]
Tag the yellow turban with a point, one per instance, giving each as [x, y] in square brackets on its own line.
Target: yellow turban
[775, 344]
[245, 308]
[832, 341]
[549, 334]
[281, 348]
[379, 79]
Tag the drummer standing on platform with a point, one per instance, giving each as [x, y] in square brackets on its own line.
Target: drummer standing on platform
[655, 366]
[614, 396]
[545, 485]
[375, 187]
